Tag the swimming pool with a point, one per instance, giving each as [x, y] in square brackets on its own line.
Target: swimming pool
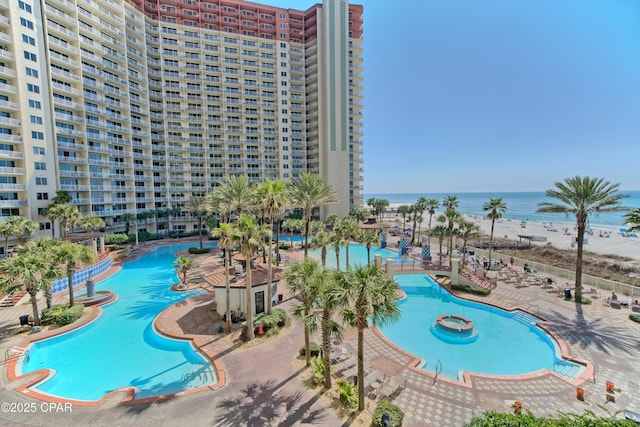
[507, 343]
[357, 255]
[120, 348]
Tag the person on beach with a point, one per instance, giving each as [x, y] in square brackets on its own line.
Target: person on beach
[613, 297]
[511, 261]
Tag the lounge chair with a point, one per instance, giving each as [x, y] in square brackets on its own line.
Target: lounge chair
[392, 386]
[373, 377]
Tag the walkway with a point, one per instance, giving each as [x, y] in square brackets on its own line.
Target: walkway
[263, 387]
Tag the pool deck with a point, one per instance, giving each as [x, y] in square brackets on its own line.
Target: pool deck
[263, 387]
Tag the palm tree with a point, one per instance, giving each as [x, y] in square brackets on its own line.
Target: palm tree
[43, 249]
[16, 226]
[236, 193]
[91, 222]
[251, 237]
[421, 206]
[582, 196]
[371, 202]
[145, 215]
[451, 217]
[450, 205]
[30, 269]
[70, 254]
[331, 221]
[226, 234]
[127, 218]
[308, 191]
[404, 211]
[171, 212]
[299, 278]
[62, 197]
[322, 240]
[467, 230]
[198, 207]
[495, 208]
[274, 200]
[440, 232]
[358, 213]
[336, 242]
[292, 225]
[371, 294]
[381, 207]
[632, 219]
[369, 238]
[319, 310]
[432, 206]
[69, 218]
[349, 230]
[54, 212]
[183, 265]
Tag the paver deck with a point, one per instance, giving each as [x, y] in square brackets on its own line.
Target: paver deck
[263, 387]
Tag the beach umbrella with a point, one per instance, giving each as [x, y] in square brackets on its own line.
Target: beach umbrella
[623, 230]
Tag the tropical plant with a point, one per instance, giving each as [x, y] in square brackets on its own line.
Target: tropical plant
[308, 191]
[183, 265]
[331, 221]
[62, 197]
[322, 240]
[582, 196]
[451, 215]
[432, 206]
[198, 207]
[30, 269]
[171, 212]
[70, 254]
[251, 238]
[358, 213]
[144, 216]
[632, 218]
[318, 371]
[349, 230]
[370, 294]
[467, 230]
[235, 195]
[404, 211]
[336, 243]
[227, 236]
[495, 208]
[420, 206]
[274, 198]
[91, 222]
[381, 207]
[347, 394]
[127, 218]
[299, 278]
[371, 202]
[16, 226]
[293, 226]
[369, 238]
[439, 232]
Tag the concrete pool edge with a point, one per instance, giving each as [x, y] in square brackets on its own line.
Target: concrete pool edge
[416, 363]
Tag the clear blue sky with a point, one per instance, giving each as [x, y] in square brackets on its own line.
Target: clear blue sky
[499, 95]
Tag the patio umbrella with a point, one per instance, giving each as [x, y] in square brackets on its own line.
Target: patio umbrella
[623, 230]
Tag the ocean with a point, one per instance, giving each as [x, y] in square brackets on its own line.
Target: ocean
[520, 206]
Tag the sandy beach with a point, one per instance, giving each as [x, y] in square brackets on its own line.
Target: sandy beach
[560, 235]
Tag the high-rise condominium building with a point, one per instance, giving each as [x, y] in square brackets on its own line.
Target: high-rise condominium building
[138, 105]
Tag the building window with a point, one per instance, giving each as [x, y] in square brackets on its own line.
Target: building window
[40, 166]
[42, 196]
[38, 150]
[31, 72]
[33, 88]
[26, 23]
[37, 135]
[37, 120]
[24, 6]
[41, 180]
[35, 104]
[28, 40]
[30, 56]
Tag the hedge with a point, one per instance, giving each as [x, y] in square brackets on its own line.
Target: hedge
[471, 289]
[62, 315]
[527, 419]
[314, 349]
[277, 319]
[635, 317]
[199, 251]
[396, 416]
[116, 239]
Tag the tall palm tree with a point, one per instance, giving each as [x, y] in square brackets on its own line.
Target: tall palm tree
[495, 208]
[381, 207]
[42, 249]
[70, 254]
[251, 238]
[450, 205]
[307, 192]
[371, 202]
[299, 278]
[369, 238]
[349, 230]
[440, 232]
[227, 235]
[404, 211]
[171, 212]
[54, 212]
[331, 221]
[322, 240]
[183, 265]
[274, 199]
[145, 215]
[16, 226]
[336, 243]
[236, 192]
[582, 196]
[432, 206]
[467, 230]
[371, 294]
[451, 217]
[62, 197]
[632, 218]
[198, 207]
[420, 207]
[292, 225]
[91, 222]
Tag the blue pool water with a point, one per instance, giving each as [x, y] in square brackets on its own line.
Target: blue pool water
[507, 342]
[120, 348]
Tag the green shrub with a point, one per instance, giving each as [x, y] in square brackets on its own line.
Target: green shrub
[284, 246]
[585, 301]
[281, 315]
[116, 239]
[384, 407]
[273, 332]
[50, 315]
[145, 236]
[277, 319]
[527, 419]
[199, 251]
[314, 349]
[70, 315]
[476, 290]
[348, 394]
[318, 371]
[635, 317]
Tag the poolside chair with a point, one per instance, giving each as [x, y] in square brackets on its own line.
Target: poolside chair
[373, 378]
[393, 386]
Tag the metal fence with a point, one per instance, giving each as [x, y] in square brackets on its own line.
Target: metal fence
[562, 274]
